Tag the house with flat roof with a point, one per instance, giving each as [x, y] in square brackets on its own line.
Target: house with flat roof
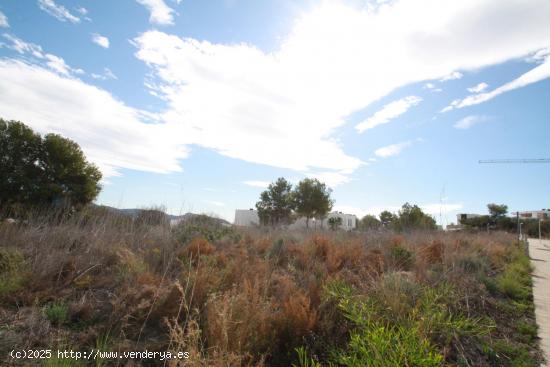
[543, 214]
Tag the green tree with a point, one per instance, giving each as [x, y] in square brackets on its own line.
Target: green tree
[387, 218]
[39, 171]
[412, 217]
[369, 222]
[334, 223]
[497, 211]
[276, 204]
[312, 199]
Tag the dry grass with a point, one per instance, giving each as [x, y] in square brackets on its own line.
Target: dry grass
[228, 302]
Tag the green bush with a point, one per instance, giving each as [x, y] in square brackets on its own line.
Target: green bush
[515, 281]
[403, 258]
[206, 227]
[377, 343]
[57, 313]
[473, 264]
[12, 272]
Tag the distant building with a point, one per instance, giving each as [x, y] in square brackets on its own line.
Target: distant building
[453, 227]
[463, 216]
[543, 214]
[246, 218]
[249, 218]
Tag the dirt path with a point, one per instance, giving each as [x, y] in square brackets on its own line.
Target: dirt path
[539, 251]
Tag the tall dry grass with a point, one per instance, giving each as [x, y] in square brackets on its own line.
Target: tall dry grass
[248, 299]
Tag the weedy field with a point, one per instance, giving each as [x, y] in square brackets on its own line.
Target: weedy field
[234, 297]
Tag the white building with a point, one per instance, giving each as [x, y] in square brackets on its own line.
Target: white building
[543, 214]
[249, 218]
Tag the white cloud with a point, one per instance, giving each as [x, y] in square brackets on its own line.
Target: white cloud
[478, 88]
[57, 64]
[280, 108]
[54, 62]
[112, 134]
[388, 112]
[392, 150]
[107, 74]
[452, 76]
[539, 56]
[331, 179]
[160, 12]
[469, 121]
[534, 75]
[274, 108]
[100, 40]
[3, 21]
[260, 184]
[57, 11]
[429, 86]
[82, 10]
[23, 47]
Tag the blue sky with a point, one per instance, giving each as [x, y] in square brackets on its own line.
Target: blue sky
[197, 105]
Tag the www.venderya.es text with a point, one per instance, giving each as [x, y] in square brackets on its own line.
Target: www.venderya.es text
[94, 354]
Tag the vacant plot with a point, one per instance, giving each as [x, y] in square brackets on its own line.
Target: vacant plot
[231, 297]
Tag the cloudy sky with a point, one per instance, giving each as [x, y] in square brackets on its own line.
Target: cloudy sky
[197, 105]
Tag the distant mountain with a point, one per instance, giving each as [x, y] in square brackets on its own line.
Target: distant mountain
[134, 212]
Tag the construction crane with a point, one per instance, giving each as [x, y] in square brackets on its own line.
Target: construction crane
[536, 160]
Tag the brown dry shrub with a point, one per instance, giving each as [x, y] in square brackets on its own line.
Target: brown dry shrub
[171, 305]
[189, 339]
[497, 254]
[433, 253]
[198, 246]
[240, 320]
[397, 240]
[321, 246]
[262, 245]
[299, 314]
[375, 261]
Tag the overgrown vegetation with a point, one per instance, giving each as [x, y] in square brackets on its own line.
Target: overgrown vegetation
[235, 297]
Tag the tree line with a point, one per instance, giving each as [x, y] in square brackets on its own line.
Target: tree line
[282, 203]
[409, 217]
[498, 219]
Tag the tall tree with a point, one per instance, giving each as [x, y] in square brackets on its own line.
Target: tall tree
[369, 222]
[387, 218]
[38, 171]
[412, 217]
[497, 211]
[312, 199]
[276, 204]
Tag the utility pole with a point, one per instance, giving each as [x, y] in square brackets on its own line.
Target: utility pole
[519, 227]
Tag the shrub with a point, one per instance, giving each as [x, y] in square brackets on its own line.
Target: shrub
[12, 272]
[212, 229]
[402, 258]
[473, 264]
[57, 313]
